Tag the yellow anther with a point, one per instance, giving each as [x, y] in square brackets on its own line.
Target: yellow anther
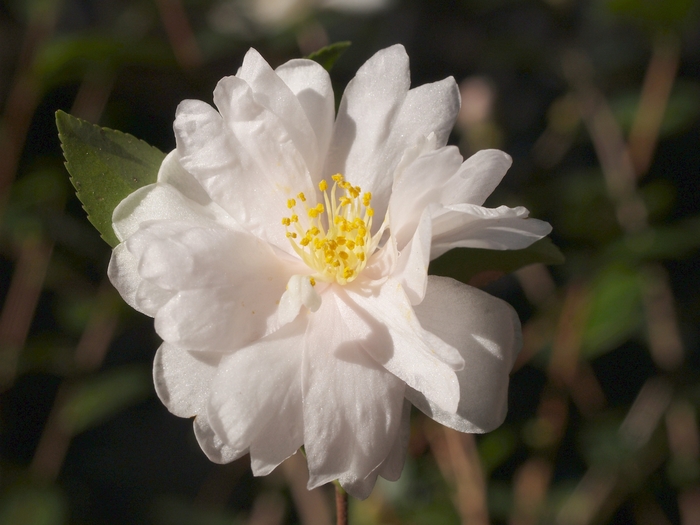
[335, 240]
[312, 281]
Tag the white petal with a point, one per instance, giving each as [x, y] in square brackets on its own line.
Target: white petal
[370, 105]
[172, 173]
[299, 292]
[214, 448]
[150, 298]
[123, 273]
[161, 201]
[418, 184]
[257, 385]
[245, 161]
[412, 265]
[270, 91]
[403, 347]
[311, 84]
[486, 330]
[352, 406]
[179, 256]
[477, 177]
[391, 467]
[182, 379]
[471, 226]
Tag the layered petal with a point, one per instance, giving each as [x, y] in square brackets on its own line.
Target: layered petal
[399, 343]
[256, 398]
[352, 405]
[486, 331]
[226, 284]
[379, 119]
[471, 226]
[211, 444]
[182, 379]
[244, 158]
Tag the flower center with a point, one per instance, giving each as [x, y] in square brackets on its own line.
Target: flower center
[338, 240]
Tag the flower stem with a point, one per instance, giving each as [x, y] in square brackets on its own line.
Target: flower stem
[341, 504]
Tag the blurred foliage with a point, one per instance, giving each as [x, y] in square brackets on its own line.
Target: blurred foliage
[597, 102]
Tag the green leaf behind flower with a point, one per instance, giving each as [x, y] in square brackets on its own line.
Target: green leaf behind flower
[327, 56]
[464, 264]
[105, 167]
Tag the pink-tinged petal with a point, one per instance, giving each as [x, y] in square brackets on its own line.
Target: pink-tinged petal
[418, 184]
[271, 92]
[486, 330]
[412, 266]
[179, 256]
[471, 226]
[259, 388]
[352, 406]
[214, 448]
[300, 292]
[172, 173]
[311, 84]
[403, 347]
[182, 379]
[281, 438]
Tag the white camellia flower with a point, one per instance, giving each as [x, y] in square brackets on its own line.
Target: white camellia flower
[284, 251]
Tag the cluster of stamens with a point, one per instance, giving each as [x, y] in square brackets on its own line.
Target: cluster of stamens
[338, 239]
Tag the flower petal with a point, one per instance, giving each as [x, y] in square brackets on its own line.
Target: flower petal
[311, 84]
[123, 273]
[352, 406]
[172, 173]
[379, 119]
[477, 177]
[271, 92]
[258, 389]
[412, 266]
[245, 160]
[182, 379]
[214, 448]
[471, 226]
[403, 347]
[486, 330]
[299, 293]
[417, 185]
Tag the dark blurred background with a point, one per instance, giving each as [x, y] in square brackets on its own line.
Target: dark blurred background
[597, 101]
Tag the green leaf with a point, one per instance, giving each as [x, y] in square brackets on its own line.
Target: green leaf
[101, 396]
[465, 263]
[327, 56]
[105, 167]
